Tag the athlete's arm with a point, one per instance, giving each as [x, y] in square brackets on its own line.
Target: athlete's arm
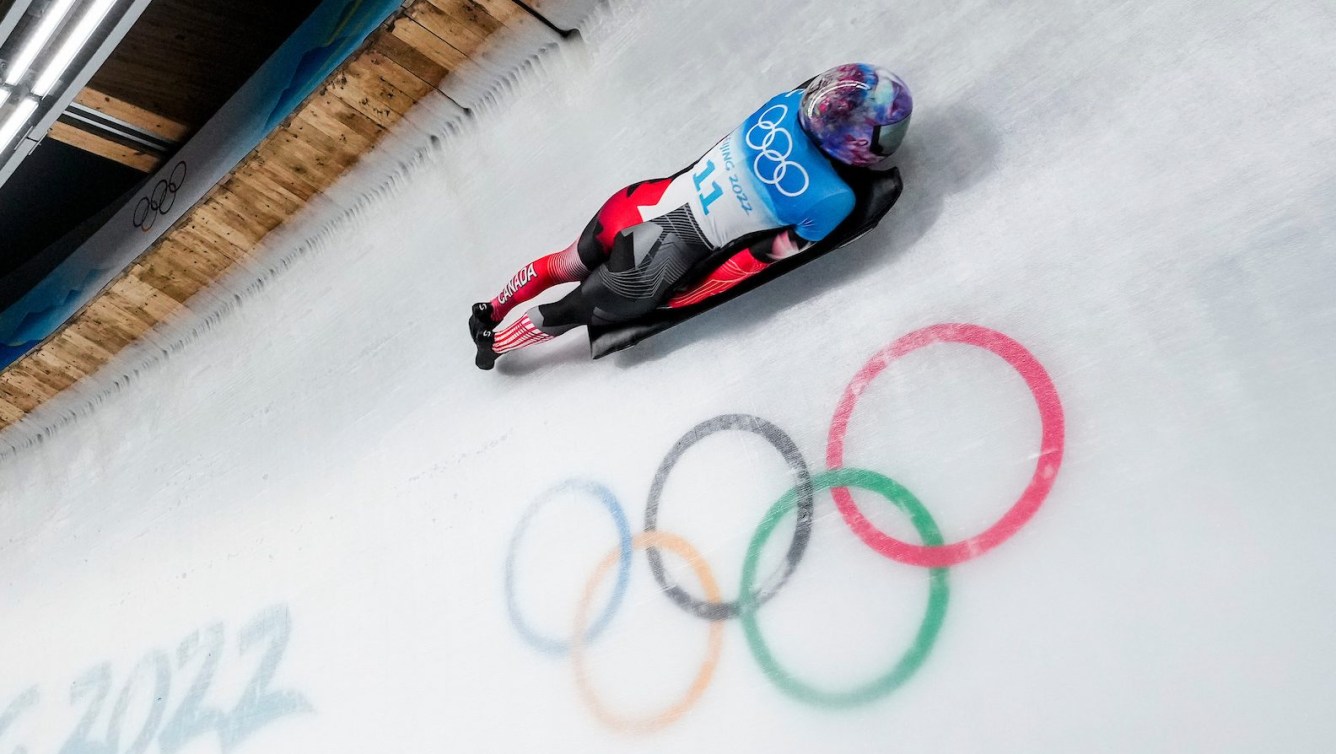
[742, 265]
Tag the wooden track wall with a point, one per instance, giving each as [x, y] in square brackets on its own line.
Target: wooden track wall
[399, 65]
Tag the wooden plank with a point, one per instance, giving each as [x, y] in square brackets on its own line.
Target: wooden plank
[97, 329]
[82, 351]
[352, 132]
[159, 125]
[303, 159]
[35, 391]
[203, 256]
[205, 251]
[371, 96]
[65, 348]
[508, 12]
[374, 62]
[230, 228]
[16, 395]
[286, 169]
[278, 198]
[103, 147]
[341, 147]
[169, 275]
[154, 301]
[51, 370]
[309, 150]
[143, 301]
[477, 20]
[241, 195]
[130, 311]
[299, 172]
[279, 193]
[51, 358]
[367, 96]
[105, 311]
[408, 57]
[50, 381]
[430, 46]
[179, 288]
[9, 412]
[238, 211]
[454, 31]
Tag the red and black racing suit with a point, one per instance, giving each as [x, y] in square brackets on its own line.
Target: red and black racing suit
[762, 193]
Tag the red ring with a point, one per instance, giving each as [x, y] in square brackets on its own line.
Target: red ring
[1046, 469]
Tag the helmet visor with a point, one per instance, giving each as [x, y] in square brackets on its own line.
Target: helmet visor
[886, 139]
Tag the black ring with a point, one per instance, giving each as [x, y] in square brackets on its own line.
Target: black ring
[147, 206]
[802, 483]
[173, 182]
[155, 201]
[168, 201]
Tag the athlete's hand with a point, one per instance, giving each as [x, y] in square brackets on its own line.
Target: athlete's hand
[786, 244]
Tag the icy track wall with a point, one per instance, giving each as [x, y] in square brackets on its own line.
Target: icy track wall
[1078, 383]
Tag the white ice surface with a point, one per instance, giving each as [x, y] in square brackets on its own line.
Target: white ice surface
[1138, 193]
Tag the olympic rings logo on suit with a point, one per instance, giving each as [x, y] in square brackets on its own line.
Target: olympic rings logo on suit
[160, 200]
[776, 161]
[754, 592]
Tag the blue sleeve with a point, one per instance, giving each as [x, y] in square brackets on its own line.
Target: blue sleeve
[824, 215]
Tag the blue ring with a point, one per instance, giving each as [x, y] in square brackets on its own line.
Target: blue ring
[609, 501]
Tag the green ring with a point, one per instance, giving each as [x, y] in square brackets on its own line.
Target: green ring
[932, 619]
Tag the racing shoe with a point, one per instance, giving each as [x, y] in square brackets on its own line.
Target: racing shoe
[480, 319]
[486, 358]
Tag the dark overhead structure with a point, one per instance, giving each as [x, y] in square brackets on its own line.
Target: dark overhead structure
[153, 84]
[48, 51]
[159, 78]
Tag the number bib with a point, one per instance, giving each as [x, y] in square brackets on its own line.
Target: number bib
[766, 174]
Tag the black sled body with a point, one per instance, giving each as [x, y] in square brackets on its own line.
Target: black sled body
[876, 194]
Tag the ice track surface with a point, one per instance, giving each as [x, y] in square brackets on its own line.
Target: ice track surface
[314, 527]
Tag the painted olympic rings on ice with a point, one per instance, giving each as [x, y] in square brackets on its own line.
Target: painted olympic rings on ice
[714, 610]
[938, 593]
[1046, 467]
[755, 591]
[679, 547]
[606, 498]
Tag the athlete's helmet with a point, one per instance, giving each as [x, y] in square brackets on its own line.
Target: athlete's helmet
[857, 114]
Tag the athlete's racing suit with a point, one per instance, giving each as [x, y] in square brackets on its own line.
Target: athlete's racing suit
[765, 189]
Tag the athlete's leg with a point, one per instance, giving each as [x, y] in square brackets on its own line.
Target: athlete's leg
[540, 324]
[564, 266]
[543, 323]
[645, 262]
[575, 262]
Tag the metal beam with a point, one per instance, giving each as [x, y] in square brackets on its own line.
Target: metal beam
[105, 126]
[106, 147]
[158, 125]
[12, 17]
[56, 103]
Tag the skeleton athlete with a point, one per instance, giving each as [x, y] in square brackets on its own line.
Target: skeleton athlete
[769, 190]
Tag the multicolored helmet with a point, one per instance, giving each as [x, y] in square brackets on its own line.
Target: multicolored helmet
[857, 114]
